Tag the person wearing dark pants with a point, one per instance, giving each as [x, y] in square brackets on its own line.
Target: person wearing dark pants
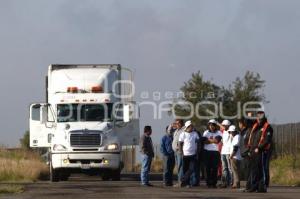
[202, 165]
[256, 179]
[260, 141]
[266, 156]
[265, 146]
[189, 164]
[245, 163]
[146, 148]
[195, 177]
[188, 142]
[168, 167]
[212, 159]
[168, 156]
[212, 137]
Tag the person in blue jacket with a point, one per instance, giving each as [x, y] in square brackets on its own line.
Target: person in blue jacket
[168, 156]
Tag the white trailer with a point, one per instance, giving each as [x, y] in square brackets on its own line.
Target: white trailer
[86, 119]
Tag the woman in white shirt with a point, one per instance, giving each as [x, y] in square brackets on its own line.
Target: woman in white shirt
[188, 142]
[212, 137]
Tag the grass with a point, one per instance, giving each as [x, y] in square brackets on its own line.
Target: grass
[10, 189]
[286, 170]
[21, 166]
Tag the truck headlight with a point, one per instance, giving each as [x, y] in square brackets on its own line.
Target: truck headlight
[112, 147]
[59, 147]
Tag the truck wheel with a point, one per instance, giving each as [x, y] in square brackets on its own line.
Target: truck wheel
[116, 175]
[105, 177]
[54, 174]
[105, 174]
[63, 175]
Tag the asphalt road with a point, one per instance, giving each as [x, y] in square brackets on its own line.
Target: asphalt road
[86, 188]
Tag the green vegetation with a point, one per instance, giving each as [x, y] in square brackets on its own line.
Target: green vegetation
[286, 170]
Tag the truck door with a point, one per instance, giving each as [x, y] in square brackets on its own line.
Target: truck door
[39, 128]
[129, 129]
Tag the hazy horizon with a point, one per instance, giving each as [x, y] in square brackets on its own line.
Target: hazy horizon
[164, 42]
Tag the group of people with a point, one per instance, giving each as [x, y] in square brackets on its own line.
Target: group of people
[222, 152]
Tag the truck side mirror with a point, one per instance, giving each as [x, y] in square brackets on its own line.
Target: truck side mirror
[43, 114]
[126, 113]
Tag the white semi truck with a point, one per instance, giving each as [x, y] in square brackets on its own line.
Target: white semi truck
[87, 117]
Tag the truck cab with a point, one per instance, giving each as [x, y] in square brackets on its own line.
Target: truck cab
[87, 118]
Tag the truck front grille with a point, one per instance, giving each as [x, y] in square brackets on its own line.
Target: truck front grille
[85, 139]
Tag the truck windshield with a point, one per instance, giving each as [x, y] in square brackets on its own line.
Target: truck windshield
[84, 112]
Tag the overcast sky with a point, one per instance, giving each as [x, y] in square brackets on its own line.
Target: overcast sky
[163, 41]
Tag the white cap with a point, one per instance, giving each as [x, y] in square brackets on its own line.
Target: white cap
[232, 128]
[226, 123]
[187, 124]
[212, 121]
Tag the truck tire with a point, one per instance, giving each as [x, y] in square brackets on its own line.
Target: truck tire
[105, 176]
[54, 173]
[116, 175]
[64, 175]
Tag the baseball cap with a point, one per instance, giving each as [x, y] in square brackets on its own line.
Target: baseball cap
[226, 123]
[187, 124]
[212, 121]
[232, 128]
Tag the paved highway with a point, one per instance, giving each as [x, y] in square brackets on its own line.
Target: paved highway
[81, 187]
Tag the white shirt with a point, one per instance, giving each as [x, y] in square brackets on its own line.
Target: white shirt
[210, 135]
[236, 141]
[189, 142]
[226, 140]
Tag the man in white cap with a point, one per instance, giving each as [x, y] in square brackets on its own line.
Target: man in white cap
[188, 142]
[225, 153]
[235, 156]
[179, 123]
[212, 137]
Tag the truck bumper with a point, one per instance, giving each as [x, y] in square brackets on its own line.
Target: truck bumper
[97, 160]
